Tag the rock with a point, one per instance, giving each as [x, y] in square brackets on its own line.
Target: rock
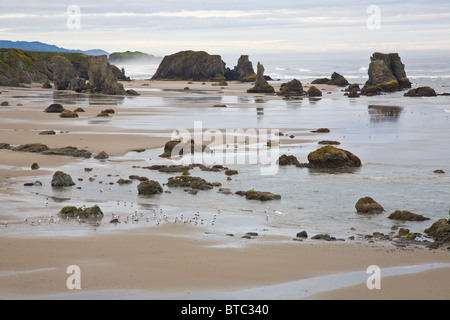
[407, 216]
[47, 133]
[132, 92]
[219, 106]
[35, 166]
[439, 231]
[332, 157]
[61, 179]
[302, 234]
[63, 72]
[323, 236]
[78, 84]
[368, 205]
[190, 66]
[68, 114]
[149, 187]
[85, 213]
[101, 76]
[403, 232]
[353, 94]
[54, 108]
[185, 181]
[261, 85]
[31, 184]
[329, 142]
[314, 92]
[78, 110]
[101, 156]
[243, 71]
[338, 80]
[421, 92]
[261, 195]
[291, 88]
[124, 181]
[386, 74]
[33, 147]
[439, 171]
[321, 81]
[68, 151]
[230, 172]
[353, 86]
[5, 146]
[180, 147]
[285, 160]
[322, 130]
[4, 104]
[224, 191]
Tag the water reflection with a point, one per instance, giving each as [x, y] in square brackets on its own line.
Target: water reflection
[384, 113]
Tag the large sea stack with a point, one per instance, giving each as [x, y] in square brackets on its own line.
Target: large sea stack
[261, 85]
[386, 74]
[101, 76]
[190, 65]
[243, 71]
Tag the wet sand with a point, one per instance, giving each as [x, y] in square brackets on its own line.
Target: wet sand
[170, 261]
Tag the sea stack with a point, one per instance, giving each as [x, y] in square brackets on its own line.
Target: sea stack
[386, 74]
[261, 85]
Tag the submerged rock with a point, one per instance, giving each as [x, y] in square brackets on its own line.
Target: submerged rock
[149, 188]
[259, 195]
[368, 205]
[407, 216]
[285, 160]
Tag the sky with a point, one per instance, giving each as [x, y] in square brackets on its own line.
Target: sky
[230, 26]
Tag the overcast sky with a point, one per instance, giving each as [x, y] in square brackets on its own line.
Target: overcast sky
[230, 26]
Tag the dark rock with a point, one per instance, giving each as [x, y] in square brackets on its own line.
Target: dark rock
[285, 160]
[353, 93]
[68, 151]
[302, 234]
[77, 110]
[132, 92]
[291, 88]
[101, 156]
[322, 130]
[261, 85]
[47, 85]
[61, 179]
[338, 80]
[54, 108]
[421, 92]
[47, 133]
[149, 187]
[32, 184]
[332, 157]
[368, 205]
[219, 106]
[407, 216]
[101, 77]
[314, 92]
[329, 142]
[190, 66]
[184, 181]
[35, 166]
[5, 146]
[386, 74]
[438, 171]
[175, 148]
[323, 236]
[124, 181]
[230, 172]
[243, 71]
[118, 73]
[353, 86]
[33, 147]
[261, 195]
[439, 231]
[321, 81]
[85, 213]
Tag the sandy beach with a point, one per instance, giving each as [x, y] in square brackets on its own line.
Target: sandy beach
[169, 261]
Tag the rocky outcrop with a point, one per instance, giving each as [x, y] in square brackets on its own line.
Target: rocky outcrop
[81, 213]
[331, 157]
[407, 216]
[421, 92]
[180, 147]
[243, 71]
[368, 205]
[291, 88]
[63, 72]
[386, 74]
[261, 85]
[314, 92]
[61, 179]
[439, 231]
[285, 160]
[190, 66]
[101, 77]
[259, 195]
[336, 80]
[18, 66]
[185, 181]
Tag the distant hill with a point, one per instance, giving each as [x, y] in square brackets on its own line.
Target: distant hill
[130, 57]
[44, 47]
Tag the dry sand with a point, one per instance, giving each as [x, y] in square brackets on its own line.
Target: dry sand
[172, 261]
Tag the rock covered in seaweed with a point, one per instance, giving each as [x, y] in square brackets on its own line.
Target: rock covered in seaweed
[421, 92]
[291, 88]
[85, 213]
[407, 216]
[368, 205]
[149, 187]
[331, 157]
[61, 179]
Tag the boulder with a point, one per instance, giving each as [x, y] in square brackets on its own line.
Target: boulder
[190, 66]
[54, 108]
[180, 147]
[321, 81]
[259, 195]
[261, 85]
[230, 172]
[338, 80]
[101, 156]
[101, 77]
[407, 216]
[353, 93]
[35, 166]
[61, 179]
[291, 88]
[285, 160]
[314, 92]
[386, 74]
[185, 181]
[421, 92]
[368, 205]
[32, 147]
[439, 231]
[85, 213]
[68, 151]
[331, 157]
[302, 234]
[149, 187]
[63, 72]
[68, 114]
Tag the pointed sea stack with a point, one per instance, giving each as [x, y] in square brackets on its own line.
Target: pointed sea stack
[261, 85]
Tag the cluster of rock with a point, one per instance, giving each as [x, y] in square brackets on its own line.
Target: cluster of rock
[336, 80]
[85, 213]
[74, 71]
